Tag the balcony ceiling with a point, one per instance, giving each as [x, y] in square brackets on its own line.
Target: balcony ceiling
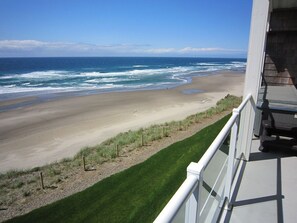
[284, 4]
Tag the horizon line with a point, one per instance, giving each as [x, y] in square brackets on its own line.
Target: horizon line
[211, 57]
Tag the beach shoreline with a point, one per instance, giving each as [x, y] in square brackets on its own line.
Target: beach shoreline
[16, 100]
[48, 131]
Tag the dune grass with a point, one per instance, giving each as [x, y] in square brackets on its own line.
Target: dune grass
[16, 185]
[137, 194]
[131, 140]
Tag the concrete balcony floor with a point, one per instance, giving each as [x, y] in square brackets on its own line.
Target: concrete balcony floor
[266, 188]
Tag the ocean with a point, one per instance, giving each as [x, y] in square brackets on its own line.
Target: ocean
[21, 77]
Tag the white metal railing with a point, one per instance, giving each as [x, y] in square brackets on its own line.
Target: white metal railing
[191, 202]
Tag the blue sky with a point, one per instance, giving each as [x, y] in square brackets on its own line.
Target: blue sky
[211, 28]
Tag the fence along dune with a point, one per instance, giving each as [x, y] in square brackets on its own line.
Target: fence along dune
[25, 185]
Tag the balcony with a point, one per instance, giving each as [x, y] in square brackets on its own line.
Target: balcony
[265, 187]
[224, 187]
[234, 181]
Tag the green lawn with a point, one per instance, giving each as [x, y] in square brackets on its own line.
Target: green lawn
[137, 194]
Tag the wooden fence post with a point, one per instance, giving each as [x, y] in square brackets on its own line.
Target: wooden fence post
[84, 163]
[142, 140]
[41, 181]
[117, 150]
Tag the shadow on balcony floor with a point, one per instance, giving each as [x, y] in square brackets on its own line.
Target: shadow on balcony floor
[266, 188]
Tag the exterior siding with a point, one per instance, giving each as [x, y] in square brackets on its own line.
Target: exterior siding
[280, 66]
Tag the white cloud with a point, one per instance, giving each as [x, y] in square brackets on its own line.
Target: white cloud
[160, 50]
[42, 48]
[194, 50]
[199, 50]
[20, 44]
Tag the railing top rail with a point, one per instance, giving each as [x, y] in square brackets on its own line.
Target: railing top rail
[176, 202]
[191, 182]
[210, 152]
[203, 162]
[244, 102]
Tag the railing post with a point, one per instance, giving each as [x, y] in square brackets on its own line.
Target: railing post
[231, 158]
[192, 205]
[251, 110]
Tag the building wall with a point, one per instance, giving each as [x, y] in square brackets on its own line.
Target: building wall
[280, 66]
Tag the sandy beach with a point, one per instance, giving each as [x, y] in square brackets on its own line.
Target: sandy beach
[46, 132]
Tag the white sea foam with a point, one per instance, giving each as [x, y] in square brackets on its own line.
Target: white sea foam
[5, 90]
[28, 84]
[50, 74]
[61, 81]
[109, 80]
[138, 72]
[238, 64]
[111, 86]
[92, 74]
[6, 77]
[10, 86]
[139, 66]
[96, 81]
[210, 67]
[86, 85]
[151, 85]
[60, 75]
[206, 64]
[179, 78]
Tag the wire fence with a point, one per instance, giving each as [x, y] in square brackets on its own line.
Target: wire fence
[16, 184]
